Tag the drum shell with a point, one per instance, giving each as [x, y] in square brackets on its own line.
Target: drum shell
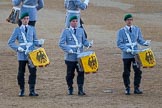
[39, 57]
[88, 61]
[146, 58]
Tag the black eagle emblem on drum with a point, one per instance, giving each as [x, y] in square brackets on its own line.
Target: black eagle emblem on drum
[149, 57]
[41, 57]
[92, 62]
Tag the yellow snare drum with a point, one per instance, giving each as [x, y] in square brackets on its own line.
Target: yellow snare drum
[14, 15]
[39, 57]
[146, 58]
[88, 61]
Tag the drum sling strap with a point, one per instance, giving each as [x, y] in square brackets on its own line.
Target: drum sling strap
[132, 47]
[76, 41]
[129, 39]
[28, 44]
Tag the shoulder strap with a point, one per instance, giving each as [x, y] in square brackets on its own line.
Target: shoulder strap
[24, 37]
[76, 41]
[128, 36]
[26, 43]
[74, 37]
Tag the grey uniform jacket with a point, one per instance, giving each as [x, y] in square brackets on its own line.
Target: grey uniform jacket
[17, 36]
[67, 40]
[73, 8]
[29, 6]
[123, 43]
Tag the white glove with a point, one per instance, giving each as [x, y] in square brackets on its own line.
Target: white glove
[20, 49]
[28, 44]
[132, 51]
[78, 46]
[128, 50]
[86, 2]
[41, 41]
[147, 42]
[90, 43]
[71, 51]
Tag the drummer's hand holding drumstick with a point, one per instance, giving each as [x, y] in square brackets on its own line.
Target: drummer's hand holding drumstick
[20, 49]
[86, 2]
[128, 50]
[90, 44]
[131, 51]
[71, 51]
[41, 41]
[147, 42]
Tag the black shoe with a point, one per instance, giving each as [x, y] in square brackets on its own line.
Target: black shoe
[127, 91]
[80, 90]
[33, 94]
[137, 91]
[32, 90]
[22, 93]
[81, 93]
[70, 91]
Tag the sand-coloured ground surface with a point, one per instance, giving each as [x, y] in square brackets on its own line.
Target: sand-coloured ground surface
[102, 20]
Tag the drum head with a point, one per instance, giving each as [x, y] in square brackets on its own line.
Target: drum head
[83, 54]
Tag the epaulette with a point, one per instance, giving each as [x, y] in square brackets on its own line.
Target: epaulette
[136, 26]
[122, 28]
[66, 28]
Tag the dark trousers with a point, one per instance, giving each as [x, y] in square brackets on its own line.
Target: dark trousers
[126, 74]
[21, 74]
[71, 66]
[32, 23]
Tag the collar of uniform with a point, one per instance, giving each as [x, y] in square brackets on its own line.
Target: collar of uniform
[129, 26]
[23, 26]
[72, 28]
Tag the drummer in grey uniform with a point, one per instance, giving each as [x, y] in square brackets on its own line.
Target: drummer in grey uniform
[27, 40]
[31, 7]
[71, 42]
[73, 8]
[128, 38]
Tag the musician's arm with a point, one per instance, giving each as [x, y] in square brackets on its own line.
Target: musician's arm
[12, 39]
[120, 41]
[16, 2]
[80, 4]
[140, 38]
[85, 41]
[62, 42]
[35, 39]
[66, 4]
[40, 4]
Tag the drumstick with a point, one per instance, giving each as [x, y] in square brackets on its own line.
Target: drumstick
[38, 40]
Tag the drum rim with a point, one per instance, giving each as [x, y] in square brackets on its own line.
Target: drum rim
[85, 53]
